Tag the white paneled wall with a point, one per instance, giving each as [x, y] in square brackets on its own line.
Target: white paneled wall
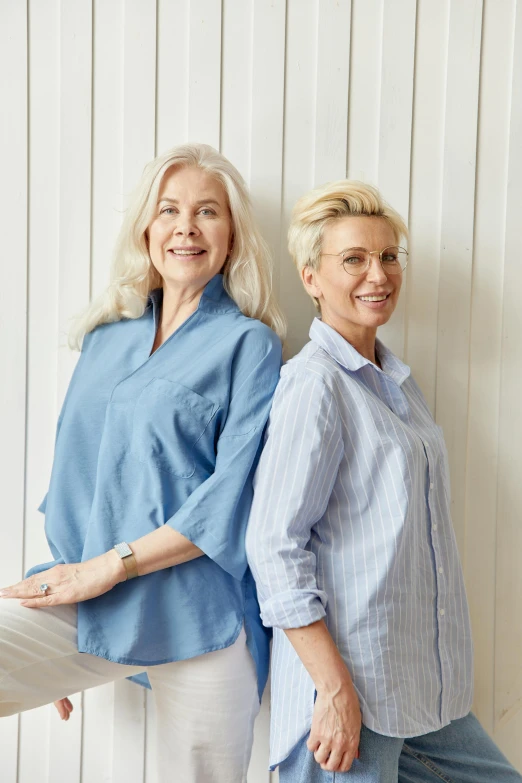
[422, 98]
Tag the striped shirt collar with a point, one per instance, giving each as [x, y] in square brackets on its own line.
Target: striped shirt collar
[348, 357]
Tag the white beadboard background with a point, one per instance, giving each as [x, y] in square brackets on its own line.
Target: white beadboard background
[423, 99]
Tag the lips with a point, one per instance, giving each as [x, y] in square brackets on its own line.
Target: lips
[186, 252]
[373, 297]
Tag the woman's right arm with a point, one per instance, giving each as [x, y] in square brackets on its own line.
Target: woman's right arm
[336, 722]
[292, 488]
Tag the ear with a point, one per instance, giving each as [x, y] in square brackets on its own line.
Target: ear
[311, 283]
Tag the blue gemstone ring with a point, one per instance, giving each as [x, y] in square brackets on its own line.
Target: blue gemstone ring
[44, 588]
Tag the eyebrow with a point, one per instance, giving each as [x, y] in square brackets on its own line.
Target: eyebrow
[198, 203]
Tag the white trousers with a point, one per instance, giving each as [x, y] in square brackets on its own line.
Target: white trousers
[205, 706]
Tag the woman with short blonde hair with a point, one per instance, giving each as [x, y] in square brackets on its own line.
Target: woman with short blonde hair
[350, 536]
[151, 483]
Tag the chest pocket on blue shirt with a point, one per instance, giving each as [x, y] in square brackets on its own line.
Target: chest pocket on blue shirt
[169, 419]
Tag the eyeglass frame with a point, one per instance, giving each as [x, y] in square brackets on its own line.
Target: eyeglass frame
[369, 253]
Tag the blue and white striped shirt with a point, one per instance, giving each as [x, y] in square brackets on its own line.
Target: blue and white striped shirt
[351, 521]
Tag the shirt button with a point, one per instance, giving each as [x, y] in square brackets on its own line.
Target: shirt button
[441, 570]
[442, 612]
[432, 485]
[435, 527]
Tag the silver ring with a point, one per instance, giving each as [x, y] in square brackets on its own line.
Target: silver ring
[44, 588]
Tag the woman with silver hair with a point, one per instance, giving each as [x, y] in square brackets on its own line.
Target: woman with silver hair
[150, 489]
[350, 536]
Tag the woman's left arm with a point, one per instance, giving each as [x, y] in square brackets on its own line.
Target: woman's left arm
[213, 519]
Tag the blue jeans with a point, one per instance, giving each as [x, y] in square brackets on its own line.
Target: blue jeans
[459, 753]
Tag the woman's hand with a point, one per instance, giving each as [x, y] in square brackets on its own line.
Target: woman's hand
[71, 583]
[64, 707]
[336, 728]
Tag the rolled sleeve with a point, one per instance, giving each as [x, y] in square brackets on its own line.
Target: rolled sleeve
[292, 487]
[215, 516]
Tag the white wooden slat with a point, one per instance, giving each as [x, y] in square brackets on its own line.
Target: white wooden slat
[331, 100]
[422, 277]
[236, 83]
[460, 137]
[299, 133]
[107, 99]
[138, 128]
[65, 744]
[43, 270]
[98, 730]
[74, 172]
[13, 309]
[33, 747]
[485, 346]
[172, 68]
[204, 71]
[397, 75]
[63, 750]
[508, 629]
[365, 86]
[13, 294]
[128, 760]
[266, 140]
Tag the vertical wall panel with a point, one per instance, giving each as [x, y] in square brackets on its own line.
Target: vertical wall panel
[172, 66]
[486, 325]
[298, 162]
[204, 71]
[365, 89]
[460, 137]
[107, 184]
[397, 70]
[74, 227]
[422, 277]
[508, 626]
[138, 131]
[295, 93]
[331, 100]
[236, 83]
[266, 139]
[13, 309]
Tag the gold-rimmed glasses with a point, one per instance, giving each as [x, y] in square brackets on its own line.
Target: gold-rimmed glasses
[356, 260]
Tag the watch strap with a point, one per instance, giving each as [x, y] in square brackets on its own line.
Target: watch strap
[127, 557]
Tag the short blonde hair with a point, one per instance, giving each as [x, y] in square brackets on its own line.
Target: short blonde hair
[332, 201]
[248, 270]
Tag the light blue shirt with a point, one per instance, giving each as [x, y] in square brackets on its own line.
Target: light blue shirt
[351, 522]
[171, 438]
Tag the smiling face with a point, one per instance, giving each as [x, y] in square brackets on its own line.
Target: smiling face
[190, 234]
[345, 300]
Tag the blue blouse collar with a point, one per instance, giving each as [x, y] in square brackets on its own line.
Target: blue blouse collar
[214, 298]
[348, 357]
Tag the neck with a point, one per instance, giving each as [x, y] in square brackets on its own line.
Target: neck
[361, 338]
[178, 305]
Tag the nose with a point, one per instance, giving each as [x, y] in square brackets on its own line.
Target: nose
[376, 273]
[185, 225]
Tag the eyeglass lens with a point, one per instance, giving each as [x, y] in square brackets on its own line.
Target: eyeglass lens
[357, 261]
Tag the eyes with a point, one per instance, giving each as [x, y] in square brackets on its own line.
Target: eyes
[203, 211]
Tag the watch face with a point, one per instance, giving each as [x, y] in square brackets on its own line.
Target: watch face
[123, 549]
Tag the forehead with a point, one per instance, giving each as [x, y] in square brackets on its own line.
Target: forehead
[191, 183]
[372, 233]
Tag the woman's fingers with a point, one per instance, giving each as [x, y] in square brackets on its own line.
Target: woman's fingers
[312, 743]
[322, 754]
[347, 761]
[64, 707]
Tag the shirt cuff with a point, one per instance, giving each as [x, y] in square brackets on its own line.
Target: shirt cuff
[294, 608]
